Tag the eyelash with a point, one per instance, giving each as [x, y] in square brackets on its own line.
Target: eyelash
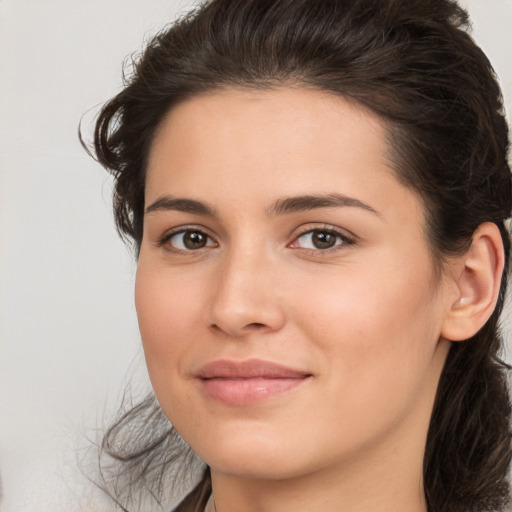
[164, 240]
[344, 239]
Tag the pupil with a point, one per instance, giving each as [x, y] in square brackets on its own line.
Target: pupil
[323, 239]
[194, 240]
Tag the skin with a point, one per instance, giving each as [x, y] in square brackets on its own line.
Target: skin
[364, 318]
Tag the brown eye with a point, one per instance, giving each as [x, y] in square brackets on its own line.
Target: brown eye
[320, 239]
[190, 240]
[323, 239]
[194, 240]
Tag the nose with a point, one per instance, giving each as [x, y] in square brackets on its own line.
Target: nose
[247, 296]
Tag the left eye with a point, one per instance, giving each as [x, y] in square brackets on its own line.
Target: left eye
[190, 240]
[321, 239]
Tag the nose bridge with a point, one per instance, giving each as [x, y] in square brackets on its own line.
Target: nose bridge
[245, 297]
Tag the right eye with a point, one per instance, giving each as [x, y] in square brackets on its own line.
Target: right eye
[188, 240]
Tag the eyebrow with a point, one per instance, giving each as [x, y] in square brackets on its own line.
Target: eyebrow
[280, 207]
[167, 203]
[312, 202]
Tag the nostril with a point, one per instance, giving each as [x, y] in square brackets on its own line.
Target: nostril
[255, 326]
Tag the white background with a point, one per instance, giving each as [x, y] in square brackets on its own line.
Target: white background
[68, 331]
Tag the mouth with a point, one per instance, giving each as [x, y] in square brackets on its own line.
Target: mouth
[247, 382]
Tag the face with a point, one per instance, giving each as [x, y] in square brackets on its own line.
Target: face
[286, 295]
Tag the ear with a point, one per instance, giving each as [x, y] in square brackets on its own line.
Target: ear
[477, 279]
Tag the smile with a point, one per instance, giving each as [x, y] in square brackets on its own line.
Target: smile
[247, 382]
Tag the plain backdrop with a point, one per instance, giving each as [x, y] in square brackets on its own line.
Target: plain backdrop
[68, 330]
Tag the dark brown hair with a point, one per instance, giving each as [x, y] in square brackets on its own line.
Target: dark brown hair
[413, 63]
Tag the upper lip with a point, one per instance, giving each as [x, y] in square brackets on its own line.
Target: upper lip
[252, 368]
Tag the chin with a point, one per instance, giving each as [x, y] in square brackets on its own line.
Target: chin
[258, 456]
[255, 468]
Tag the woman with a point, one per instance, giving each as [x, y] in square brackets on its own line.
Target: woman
[316, 192]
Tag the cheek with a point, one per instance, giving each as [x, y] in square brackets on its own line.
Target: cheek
[167, 312]
[379, 327]
[376, 338]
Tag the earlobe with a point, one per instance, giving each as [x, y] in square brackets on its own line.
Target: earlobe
[477, 277]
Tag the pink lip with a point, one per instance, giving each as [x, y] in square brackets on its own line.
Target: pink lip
[247, 382]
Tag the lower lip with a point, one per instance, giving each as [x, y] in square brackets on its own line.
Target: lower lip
[247, 391]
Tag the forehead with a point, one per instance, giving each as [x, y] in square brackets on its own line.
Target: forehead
[293, 108]
[277, 129]
[242, 147]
